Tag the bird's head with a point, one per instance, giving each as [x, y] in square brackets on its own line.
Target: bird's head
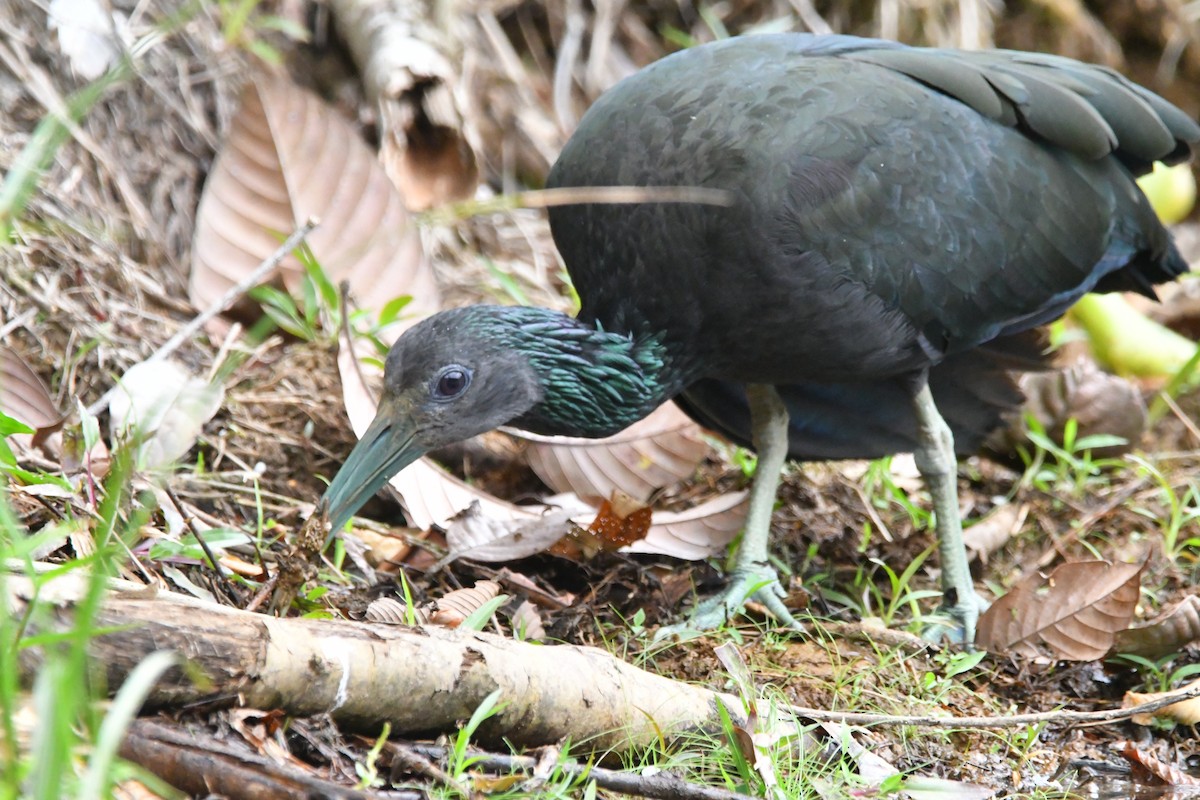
[448, 378]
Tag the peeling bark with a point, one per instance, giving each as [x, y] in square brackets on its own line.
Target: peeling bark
[421, 679]
[407, 61]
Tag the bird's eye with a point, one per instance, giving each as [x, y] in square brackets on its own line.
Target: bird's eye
[453, 381]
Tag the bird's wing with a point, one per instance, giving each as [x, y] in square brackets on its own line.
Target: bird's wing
[1086, 109]
[974, 391]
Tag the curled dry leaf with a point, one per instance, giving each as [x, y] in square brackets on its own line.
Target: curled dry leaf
[391, 611]
[1099, 402]
[527, 623]
[408, 66]
[431, 496]
[1153, 767]
[25, 398]
[658, 451]
[994, 531]
[164, 408]
[1185, 711]
[1174, 629]
[454, 608]
[475, 535]
[1076, 612]
[288, 157]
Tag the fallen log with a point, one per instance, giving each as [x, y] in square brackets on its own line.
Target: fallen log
[421, 679]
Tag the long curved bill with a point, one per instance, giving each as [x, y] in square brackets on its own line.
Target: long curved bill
[385, 448]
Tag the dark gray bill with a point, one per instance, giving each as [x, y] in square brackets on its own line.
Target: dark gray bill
[385, 449]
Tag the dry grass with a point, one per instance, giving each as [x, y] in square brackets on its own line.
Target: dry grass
[97, 277]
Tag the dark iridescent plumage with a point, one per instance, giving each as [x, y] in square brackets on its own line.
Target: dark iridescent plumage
[899, 219]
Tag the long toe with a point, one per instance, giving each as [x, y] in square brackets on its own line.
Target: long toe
[955, 623]
[758, 583]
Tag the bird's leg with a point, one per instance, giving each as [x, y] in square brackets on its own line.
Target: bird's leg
[753, 575]
[937, 464]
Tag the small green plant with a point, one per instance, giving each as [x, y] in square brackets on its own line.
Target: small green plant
[880, 487]
[366, 770]
[1069, 466]
[319, 301]
[1157, 675]
[242, 23]
[870, 600]
[459, 761]
[1182, 512]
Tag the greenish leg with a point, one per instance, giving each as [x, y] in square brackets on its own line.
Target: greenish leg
[937, 464]
[753, 576]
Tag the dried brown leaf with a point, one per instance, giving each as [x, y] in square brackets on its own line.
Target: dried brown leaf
[994, 531]
[451, 610]
[390, 611]
[1174, 629]
[1185, 711]
[658, 451]
[527, 623]
[473, 534]
[25, 398]
[1154, 768]
[1076, 612]
[288, 157]
[1098, 401]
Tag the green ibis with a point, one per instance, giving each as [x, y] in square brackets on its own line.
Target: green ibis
[900, 219]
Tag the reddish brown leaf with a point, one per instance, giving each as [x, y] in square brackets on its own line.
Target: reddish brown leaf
[1075, 613]
[1174, 629]
[288, 157]
[1155, 769]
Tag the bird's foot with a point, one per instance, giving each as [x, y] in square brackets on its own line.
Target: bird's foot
[757, 582]
[954, 622]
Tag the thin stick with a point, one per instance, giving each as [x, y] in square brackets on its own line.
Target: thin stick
[223, 303]
[1072, 717]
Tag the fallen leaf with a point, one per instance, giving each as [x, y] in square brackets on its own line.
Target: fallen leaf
[475, 535]
[656, 452]
[1154, 768]
[619, 522]
[1076, 612]
[994, 531]
[390, 611]
[288, 157]
[1173, 629]
[1100, 403]
[86, 31]
[25, 398]
[527, 623]
[1185, 711]
[162, 407]
[451, 610]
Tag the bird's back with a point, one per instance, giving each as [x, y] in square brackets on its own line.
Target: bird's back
[891, 205]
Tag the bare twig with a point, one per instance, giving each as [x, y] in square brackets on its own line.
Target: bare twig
[223, 303]
[662, 785]
[1008, 721]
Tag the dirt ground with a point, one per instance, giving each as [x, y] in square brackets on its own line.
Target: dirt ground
[96, 278]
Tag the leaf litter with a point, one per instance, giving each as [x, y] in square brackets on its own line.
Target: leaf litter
[281, 427]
